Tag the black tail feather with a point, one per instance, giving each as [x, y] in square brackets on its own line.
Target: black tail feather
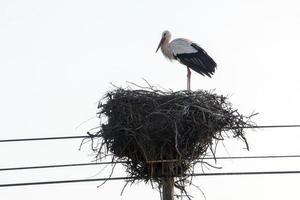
[199, 61]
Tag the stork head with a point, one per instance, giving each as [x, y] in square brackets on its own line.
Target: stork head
[165, 37]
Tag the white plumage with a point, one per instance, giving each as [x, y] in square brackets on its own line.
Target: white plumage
[188, 53]
[180, 46]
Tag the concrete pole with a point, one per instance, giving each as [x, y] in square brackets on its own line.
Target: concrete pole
[168, 188]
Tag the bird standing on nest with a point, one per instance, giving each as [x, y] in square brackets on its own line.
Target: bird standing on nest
[188, 53]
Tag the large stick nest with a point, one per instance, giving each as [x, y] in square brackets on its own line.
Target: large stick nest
[162, 133]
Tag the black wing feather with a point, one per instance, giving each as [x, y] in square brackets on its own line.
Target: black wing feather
[199, 61]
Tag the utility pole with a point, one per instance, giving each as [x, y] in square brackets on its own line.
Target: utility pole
[168, 188]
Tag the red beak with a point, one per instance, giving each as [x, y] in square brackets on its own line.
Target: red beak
[161, 41]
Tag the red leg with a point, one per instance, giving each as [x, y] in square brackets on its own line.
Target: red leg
[189, 78]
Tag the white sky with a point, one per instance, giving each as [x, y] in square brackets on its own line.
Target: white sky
[57, 58]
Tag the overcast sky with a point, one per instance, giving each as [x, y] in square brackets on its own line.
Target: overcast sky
[57, 58]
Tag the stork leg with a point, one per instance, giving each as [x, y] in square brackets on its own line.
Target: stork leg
[188, 78]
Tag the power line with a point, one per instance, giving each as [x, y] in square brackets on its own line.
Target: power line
[274, 126]
[128, 178]
[62, 181]
[58, 166]
[253, 157]
[122, 162]
[245, 173]
[46, 138]
[95, 136]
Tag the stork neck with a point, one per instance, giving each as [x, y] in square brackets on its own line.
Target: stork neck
[166, 50]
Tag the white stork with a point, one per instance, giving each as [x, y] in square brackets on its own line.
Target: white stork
[188, 53]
